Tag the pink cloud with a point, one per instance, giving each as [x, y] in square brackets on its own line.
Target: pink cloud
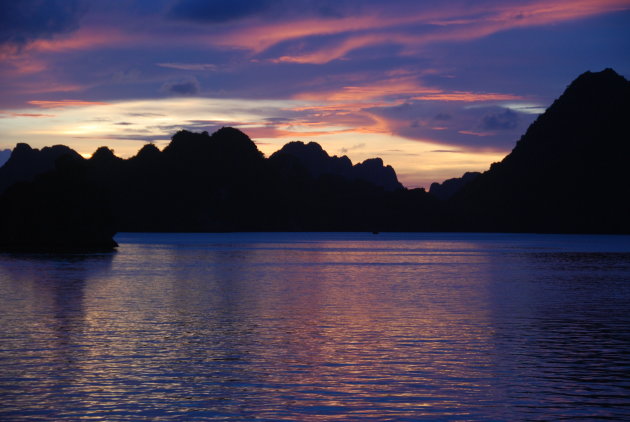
[83, 39]
[29, 60]
[261, 37]
[41, 87]
[450, 22]
[546, 12]
[36, 115]
[25, 65]
[19, 62]
[399, 87]
[65, 103]
[357, 105]
[340, 50]
[392, 91]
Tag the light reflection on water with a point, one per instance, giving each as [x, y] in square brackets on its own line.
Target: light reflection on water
[319, 327]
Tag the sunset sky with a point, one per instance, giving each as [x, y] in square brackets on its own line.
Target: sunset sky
[434, 87]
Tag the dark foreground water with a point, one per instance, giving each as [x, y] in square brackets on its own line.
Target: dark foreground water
[319, 327]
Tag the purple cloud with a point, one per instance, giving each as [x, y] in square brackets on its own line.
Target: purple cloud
[505, 120]
[27, 20]
[186, 87]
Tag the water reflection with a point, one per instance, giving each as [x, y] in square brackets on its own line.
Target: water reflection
[567, 334]
[295, 327]
[43, 320]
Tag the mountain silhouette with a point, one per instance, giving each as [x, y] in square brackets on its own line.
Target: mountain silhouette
[317, 162]
[448, 188]
[222, 182]
[25, 163]
[60, 210]
[568, 173]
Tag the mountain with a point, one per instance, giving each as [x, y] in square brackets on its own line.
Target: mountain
[209, 182]
[58, 211]
[25, 163]
[448, 188]
[199, 182]
[569, 171]
[317, 162]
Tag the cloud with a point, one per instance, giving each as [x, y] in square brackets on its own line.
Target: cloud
[88, 39]
[23, 21]
[376, 89]
[189, 66]
[397, 89]
[466, 96]
[65, 103]
[37, 115]
[261, 36]
[338, 50]
[4, 114]
[475, 133]
[411, 25]
[505, 120]
[461, 126]
[146, 114]
[527, 108]
[442, 117]
[184, 87]
[351, 148]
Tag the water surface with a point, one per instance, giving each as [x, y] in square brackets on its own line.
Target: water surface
[319, 327]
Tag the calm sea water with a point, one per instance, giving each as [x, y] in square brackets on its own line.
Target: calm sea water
[319, 327]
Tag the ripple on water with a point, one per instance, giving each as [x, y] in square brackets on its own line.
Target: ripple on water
[319, 327]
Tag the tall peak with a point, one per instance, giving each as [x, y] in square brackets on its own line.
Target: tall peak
[607, 74]
[568, 172]
[604, 86]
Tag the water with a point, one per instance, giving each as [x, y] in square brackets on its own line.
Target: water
[319, 327]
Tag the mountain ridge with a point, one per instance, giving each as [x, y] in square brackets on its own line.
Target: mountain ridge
[566, 174]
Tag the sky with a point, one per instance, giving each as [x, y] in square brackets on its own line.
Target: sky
[434, 87]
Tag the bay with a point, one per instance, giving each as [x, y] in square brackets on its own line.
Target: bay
[319, 326]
